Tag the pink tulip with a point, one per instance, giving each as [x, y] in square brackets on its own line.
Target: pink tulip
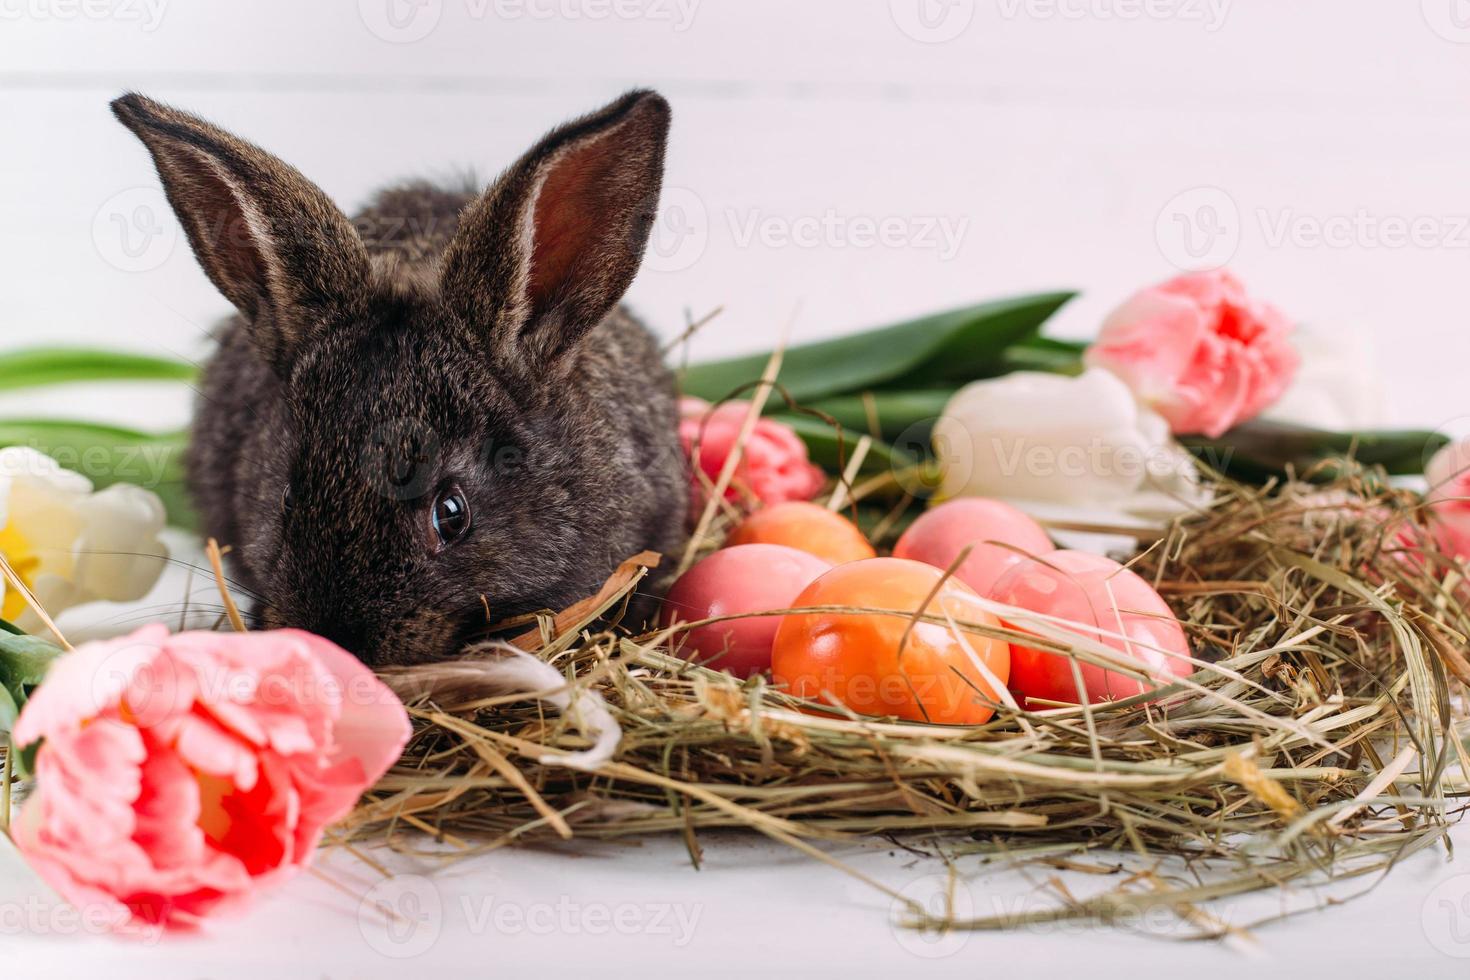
[178, 774]
[774, 466]
[1199, 351]
[1448, 474]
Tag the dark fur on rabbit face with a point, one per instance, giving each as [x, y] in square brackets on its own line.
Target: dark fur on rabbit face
[441, 343]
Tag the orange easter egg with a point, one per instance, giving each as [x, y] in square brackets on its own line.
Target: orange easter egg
[878, 664]
[807, 527]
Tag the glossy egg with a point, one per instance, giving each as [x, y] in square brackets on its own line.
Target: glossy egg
[999, 536]
[1097, 594]
[807, 527]
[855, 658]
[743, 579]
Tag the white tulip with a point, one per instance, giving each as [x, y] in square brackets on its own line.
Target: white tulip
[1079, 448]
[69, 544]
[1338, 385]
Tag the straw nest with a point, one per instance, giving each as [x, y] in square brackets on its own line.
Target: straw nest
[1321, 736]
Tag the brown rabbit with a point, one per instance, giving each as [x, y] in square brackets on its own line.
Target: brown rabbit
[436, 416]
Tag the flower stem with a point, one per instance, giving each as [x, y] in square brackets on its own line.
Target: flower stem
[5, 786]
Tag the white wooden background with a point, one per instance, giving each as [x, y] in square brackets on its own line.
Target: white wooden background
[1002, 145]
[1061, 143]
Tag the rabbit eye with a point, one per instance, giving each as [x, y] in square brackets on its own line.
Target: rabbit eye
[450, 517]
[286, 500]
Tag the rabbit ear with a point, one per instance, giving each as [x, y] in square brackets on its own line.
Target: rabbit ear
[551, 247]
[267, 237]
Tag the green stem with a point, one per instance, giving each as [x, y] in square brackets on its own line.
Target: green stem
[35, 367]
[5, 785]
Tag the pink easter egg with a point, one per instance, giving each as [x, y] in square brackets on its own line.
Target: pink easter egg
[1096, 594]
[743, 578]
[1000, 538]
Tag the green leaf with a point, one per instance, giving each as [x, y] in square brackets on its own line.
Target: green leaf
[108, 454]
[24, 661]
[1045, 354]
[958, 345]
[822, 443]
[899, 415]
[25, 760]
[37, 366]
[1260, 449]
[9, 711]
[11, 628]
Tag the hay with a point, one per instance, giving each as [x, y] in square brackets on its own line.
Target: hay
[1321, 736]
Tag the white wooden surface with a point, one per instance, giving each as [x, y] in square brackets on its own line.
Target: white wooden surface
[1000, 146]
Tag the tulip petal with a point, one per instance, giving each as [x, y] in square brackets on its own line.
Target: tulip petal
[86, 682]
